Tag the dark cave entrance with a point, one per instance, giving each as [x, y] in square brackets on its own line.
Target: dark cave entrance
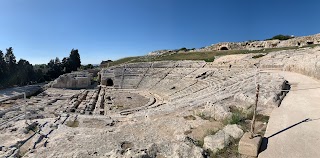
[309, 43]
[224, 48]
[109, 82]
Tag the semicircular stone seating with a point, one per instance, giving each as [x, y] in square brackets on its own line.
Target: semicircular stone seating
[180, 84]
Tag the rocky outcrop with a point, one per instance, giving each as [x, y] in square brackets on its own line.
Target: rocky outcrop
[73, 80]
[256, 45]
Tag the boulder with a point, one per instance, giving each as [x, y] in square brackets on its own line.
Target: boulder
[234, 131]
[216, 142]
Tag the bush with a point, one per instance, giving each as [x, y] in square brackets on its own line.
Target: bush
[258, 56]
[281, 37]
[235, 118]
[238, 116]
[209, 59]
[183, 49]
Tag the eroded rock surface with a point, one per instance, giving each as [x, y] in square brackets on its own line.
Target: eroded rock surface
[155, 109]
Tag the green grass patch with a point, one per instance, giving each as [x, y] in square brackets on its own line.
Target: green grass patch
[236, 118]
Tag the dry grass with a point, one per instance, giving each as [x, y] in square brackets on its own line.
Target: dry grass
[206, 56]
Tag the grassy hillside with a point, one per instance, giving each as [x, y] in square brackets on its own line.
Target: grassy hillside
[206, 56]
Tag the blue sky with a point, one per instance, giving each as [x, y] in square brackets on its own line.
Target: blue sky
[40, 30]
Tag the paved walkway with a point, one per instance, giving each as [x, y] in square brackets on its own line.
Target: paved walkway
[294, 128]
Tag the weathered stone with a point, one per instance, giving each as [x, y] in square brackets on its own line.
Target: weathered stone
[234, 131]
[216, 142]
[256, 45]
[73, 80]
[143, 108]
[249, 146]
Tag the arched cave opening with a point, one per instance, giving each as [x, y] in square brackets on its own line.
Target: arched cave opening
[309, 43]
[224, 48]
[109, 82]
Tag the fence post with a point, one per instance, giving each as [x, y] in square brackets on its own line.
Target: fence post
[254, 111]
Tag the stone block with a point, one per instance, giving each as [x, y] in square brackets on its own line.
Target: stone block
[249, 147]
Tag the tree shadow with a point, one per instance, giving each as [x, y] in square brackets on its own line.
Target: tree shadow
[264, 143]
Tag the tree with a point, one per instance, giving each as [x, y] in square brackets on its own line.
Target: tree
[183, 49]
[25, 73]
[3, 67]
[66, 65]
[10, 60]
[2, 64]
[86, 67]
[57, 67]
[74, 60]
[22, 73]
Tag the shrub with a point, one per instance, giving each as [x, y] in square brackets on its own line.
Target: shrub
[235, 118]
[258, 56]
[281, 37]
[209, 59]
[183, 49]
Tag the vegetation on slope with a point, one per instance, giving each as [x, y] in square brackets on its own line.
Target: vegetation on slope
[206, 56]
[281, 37]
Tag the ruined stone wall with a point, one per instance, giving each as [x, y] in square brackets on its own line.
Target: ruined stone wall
[74, 80]
[254, 45]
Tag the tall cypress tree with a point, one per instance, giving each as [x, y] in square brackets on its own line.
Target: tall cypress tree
[10, 60]
[74, 60]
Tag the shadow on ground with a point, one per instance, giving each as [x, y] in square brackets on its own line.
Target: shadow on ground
[264, 143]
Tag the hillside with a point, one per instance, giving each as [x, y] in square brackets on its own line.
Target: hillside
[209, 53]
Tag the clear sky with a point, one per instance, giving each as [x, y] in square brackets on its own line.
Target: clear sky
[40, 30]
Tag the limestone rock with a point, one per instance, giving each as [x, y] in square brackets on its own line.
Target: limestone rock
[234, 131]
[73, 80]
[256, 45]
[216, 142]
[187, 151]
[217, 111]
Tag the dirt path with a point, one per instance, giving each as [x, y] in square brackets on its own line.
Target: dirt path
[294, 127]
